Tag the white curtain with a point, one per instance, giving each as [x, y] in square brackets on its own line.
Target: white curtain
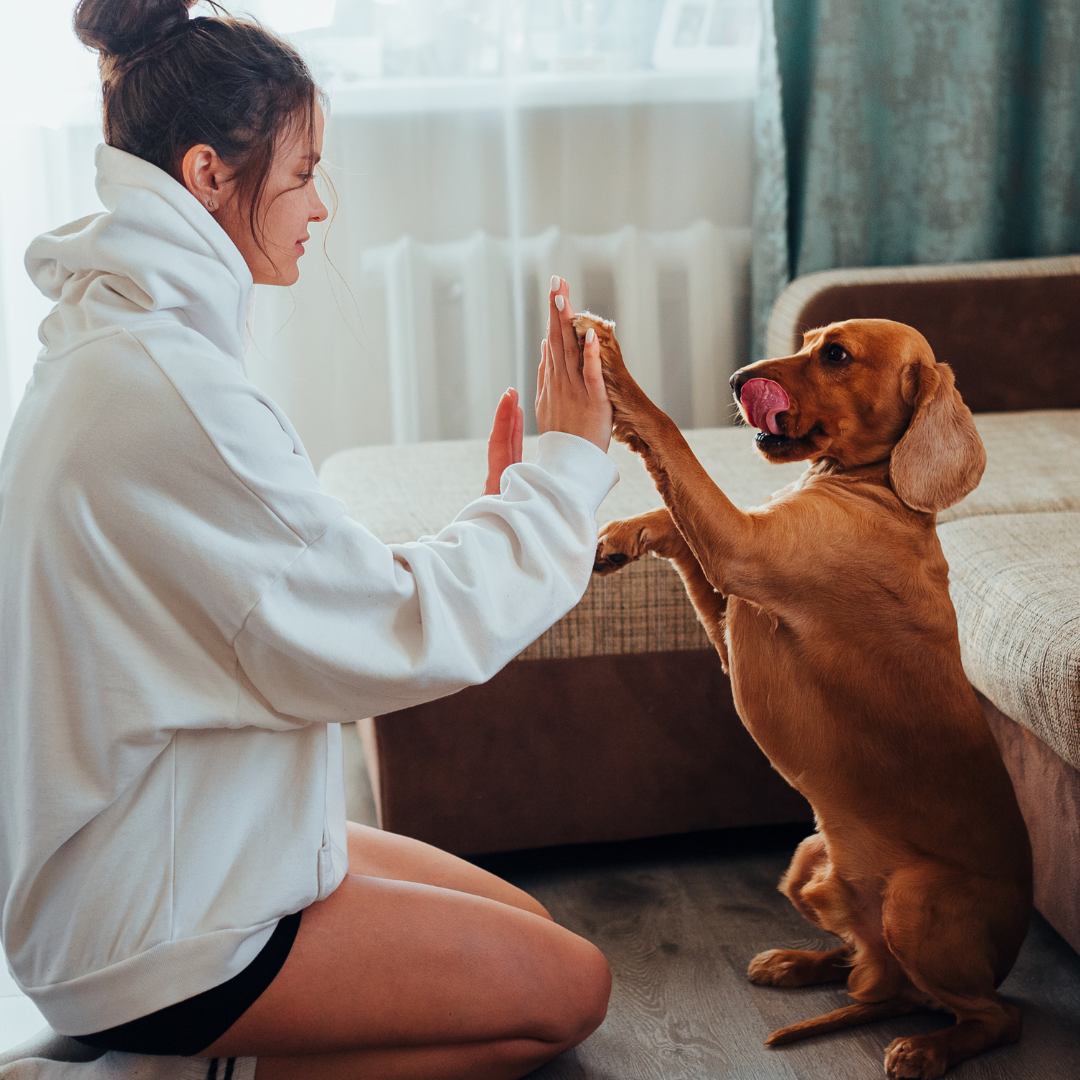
[476, 147]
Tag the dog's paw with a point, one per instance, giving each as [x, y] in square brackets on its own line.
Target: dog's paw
[916, 1058]
[627, 399]
[772, 968]
[620, 542]
[785, 967]
[611, 360]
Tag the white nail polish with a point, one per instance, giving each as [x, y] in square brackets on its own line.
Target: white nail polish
[555, 283]
[560, 303]
[590, 334]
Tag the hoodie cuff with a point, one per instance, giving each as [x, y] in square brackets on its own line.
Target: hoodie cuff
[577, 462]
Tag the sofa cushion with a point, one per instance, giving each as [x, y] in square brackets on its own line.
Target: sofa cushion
[403, 492]
[1032, 465]
[1015, 583]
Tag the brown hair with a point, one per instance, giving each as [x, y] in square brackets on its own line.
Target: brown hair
[170, 82]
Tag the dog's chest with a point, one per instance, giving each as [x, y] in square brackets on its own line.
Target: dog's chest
[775, 680]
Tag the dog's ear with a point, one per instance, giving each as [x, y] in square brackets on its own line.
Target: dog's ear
[940, 458]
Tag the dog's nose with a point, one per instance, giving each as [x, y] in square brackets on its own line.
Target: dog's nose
[741, 376]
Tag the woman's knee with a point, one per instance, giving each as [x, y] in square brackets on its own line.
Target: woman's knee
[587, 991]
[597, 980]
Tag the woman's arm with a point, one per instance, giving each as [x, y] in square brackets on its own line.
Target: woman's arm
[355, 627]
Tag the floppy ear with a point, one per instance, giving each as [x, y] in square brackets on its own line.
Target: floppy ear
[940, 458]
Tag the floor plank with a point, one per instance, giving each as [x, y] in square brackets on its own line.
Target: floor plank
[679, 919]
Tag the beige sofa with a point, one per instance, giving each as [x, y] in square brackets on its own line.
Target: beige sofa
[618, 722]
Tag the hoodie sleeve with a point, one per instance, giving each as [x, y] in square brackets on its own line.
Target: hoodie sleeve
[354, 627]
[326, 622]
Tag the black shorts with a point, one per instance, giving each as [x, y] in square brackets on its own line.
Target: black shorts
[189, 1027]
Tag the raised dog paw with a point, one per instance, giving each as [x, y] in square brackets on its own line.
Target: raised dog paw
[915, 1058]
[620, 542]
[627, 399]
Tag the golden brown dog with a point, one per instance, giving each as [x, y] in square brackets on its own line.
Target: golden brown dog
[830, 609]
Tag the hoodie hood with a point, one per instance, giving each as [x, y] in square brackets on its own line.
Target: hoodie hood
[156, 253]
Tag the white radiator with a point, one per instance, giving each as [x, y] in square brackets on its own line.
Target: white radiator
[680, 300]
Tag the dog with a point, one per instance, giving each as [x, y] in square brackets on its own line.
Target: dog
[830, 609]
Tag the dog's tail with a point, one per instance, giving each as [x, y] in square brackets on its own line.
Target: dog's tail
[846, 1017]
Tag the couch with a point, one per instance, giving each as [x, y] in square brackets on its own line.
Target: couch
[618, 722]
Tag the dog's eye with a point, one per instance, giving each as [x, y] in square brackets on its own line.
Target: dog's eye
[836, 354]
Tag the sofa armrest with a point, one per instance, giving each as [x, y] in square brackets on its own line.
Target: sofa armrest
[1007, 327]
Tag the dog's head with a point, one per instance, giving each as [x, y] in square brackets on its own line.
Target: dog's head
[864, 391]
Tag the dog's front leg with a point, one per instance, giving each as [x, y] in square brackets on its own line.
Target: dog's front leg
[718, 534]
[625, 541]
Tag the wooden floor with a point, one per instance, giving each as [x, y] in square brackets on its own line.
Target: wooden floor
[679, 919]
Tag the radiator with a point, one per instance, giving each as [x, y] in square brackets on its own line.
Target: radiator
[464, 320]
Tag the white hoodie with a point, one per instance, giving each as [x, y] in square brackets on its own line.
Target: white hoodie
[186, 617]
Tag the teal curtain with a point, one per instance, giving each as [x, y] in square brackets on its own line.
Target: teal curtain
[893, 132]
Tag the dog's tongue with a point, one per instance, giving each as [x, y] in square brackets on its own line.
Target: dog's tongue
[763, 399]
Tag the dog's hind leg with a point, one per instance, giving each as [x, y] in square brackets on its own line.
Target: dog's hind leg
[875, 978]
[935, 928]
[803, 967]
[810, 863]
[799, 967]
[825, 898]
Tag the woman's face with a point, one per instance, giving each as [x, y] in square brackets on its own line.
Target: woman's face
[289, 204]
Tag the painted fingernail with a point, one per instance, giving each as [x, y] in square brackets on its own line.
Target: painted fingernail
[560, 303]
[590, 335]
[555, 283]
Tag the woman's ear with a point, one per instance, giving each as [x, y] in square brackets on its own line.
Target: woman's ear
[204, 175]
[940, 458]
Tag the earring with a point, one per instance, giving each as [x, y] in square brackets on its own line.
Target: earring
[211, 205]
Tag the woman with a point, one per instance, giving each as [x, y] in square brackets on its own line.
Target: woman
[186, 617]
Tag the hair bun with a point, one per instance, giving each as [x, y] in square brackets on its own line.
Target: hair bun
[121, 27]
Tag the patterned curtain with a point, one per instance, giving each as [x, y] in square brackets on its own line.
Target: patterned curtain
[894, 132]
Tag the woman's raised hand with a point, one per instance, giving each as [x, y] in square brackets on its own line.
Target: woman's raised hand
[570, 392]
[504, 442]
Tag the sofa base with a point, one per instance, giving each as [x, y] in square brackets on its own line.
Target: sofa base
[1048, 791]
[575, 751]
[624, 747]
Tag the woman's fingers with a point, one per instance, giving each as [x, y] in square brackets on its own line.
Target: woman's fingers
[518, 437]
[541, 374]
[565, 357]
[504, 442]
[592, 373]
[571, 355]
[513, 427]
[556, 363]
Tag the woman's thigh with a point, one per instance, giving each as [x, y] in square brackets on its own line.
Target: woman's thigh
[375, 853]
[390, 963]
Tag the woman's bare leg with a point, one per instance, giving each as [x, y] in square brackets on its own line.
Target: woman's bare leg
[394, 978]
[375, 853]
